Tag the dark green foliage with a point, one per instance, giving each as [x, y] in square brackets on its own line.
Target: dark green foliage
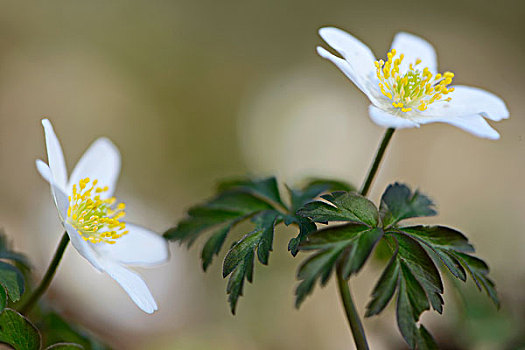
[56, 330]
[414, 252]
[425, 340]
[385, 287]
[226, 209]
[266, 189]
[213, 245]
[18, 331]
[7, 253]
[399, 203]
[441, 243]
[219, 214]
[412, 272]
[239, 261]
[412, 268]
[479, 270]
[12, 280]
[347, 246]
[306, 226]
[3, 299]
[11, 277]
[345, 206]
[300, 197]
[240, 200]
[451, 247]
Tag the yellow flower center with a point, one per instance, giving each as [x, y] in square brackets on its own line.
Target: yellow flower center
[416, 88]
[96, 219]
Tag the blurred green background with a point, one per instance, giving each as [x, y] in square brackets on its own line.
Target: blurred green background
[193, 91]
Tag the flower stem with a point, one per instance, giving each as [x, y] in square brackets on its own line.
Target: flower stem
[351, 313]
[354, 321]
[28, 305]
[379, 156]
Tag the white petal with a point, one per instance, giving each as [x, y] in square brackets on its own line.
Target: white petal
[102, 162]
[140, 247]
[43, 169]
[474, 124]
[83, 247]
[359, 58]
[346, 68]
[467, 100]
[414, 47]
[389, 120]
[59, 197]
[354, 51]
[55, 157]
[61, 201]
[133, 285]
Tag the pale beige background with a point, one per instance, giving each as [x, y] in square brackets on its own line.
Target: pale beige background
[192, 91]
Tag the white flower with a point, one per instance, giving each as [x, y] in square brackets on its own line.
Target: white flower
[92, 220]
[406, 89]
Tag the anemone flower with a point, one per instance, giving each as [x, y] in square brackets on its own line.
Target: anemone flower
[93, 219]
[406, 89]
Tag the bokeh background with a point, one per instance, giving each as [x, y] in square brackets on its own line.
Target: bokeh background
[193, 91]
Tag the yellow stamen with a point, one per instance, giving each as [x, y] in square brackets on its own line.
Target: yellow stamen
[414, 88]
[96, 219]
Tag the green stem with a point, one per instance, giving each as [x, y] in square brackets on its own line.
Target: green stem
[351, 313]
[344, 290]
[28, 305]
[375, 165]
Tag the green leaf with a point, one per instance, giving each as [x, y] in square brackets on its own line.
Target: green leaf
[239, 251]
[423, 268]
[413, 334]
[412, 272]
[441, 237]
[440, 242]
[240, 200]
[345, 206]
[451, 247]
[65, 346]
[329, 185]
[348, 246]
[306, 226]
[225, 209]
[18, 331]
[55, 330]
[239, 261]
[3, 299]
[220, 214]
[415, 292]
[235, 285]
[300, 197]
[385, 288]
[399, 203]
[12, 280]
[405, 316]
[358, 252]
[7, 253]
[479, 270]
[266, 189]
[317, 266]
[213, 245]
[425, 340]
